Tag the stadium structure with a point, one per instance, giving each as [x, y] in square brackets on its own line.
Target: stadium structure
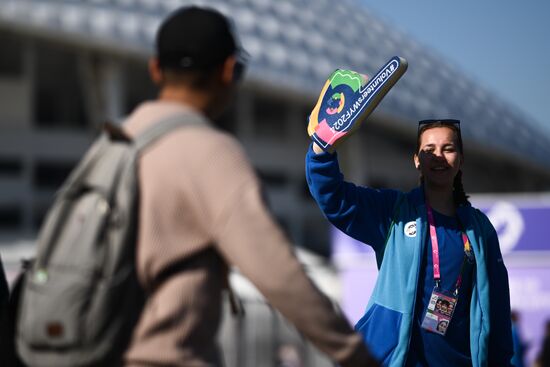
[69, 65]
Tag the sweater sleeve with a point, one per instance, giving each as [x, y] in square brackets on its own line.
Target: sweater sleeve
[362, 213]
[501, 349]
[247, 237]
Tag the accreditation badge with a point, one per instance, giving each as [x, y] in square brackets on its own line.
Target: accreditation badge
[440, 311]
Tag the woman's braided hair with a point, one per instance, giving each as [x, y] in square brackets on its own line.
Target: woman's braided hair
[459, 195]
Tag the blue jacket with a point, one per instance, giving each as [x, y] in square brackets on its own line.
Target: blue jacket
[380, 218]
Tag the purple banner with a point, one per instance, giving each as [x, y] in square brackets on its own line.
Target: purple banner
[522, 222]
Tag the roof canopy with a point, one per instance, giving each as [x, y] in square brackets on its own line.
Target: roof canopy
[296, 44]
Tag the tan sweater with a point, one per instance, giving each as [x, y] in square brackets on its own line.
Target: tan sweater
[197, 190]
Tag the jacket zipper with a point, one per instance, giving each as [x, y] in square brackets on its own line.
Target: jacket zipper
[422, 242]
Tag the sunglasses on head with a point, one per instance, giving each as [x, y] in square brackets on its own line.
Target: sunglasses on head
[451, 122]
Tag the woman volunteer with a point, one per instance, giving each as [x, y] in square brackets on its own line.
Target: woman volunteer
[441, 297]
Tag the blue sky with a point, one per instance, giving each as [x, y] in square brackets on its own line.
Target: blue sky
[504, 45]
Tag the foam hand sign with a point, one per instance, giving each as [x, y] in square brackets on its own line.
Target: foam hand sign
[347, 98]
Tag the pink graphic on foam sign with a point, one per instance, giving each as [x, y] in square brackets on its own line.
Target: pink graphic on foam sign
[326, 134]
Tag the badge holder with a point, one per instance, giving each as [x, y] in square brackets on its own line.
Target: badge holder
[440, 311]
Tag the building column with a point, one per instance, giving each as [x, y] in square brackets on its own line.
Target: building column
[112, 83]
[295, 138]
[244, 126]
[28, 156]
[103, 88]
[353, 164]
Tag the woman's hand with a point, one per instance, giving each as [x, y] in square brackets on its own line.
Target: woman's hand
[317, 149]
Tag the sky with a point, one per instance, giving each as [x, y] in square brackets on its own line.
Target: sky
[503, 44]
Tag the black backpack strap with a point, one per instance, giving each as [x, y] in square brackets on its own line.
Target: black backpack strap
[196, 261]
[167, 125]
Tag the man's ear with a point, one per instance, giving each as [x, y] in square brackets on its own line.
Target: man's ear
[155, 71]
[228, 70]
[416, 161]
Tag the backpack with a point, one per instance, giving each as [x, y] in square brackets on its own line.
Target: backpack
[80, 298]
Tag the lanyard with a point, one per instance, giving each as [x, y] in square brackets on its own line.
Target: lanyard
[435, 250]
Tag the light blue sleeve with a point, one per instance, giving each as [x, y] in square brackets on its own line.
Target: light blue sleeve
[363, 213]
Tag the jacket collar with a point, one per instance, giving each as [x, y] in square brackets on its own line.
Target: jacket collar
[417, 197]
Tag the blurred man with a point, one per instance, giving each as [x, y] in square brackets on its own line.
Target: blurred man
[200, 200]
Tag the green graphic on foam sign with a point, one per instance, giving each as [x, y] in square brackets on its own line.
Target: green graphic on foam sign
[350, 78]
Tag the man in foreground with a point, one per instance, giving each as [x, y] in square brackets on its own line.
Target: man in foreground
[200, 199]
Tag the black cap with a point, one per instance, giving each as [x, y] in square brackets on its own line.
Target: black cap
[195, 38]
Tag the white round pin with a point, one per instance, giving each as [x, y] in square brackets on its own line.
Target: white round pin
[410, 229]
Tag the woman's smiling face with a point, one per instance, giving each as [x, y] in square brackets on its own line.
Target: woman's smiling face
[439, 158]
